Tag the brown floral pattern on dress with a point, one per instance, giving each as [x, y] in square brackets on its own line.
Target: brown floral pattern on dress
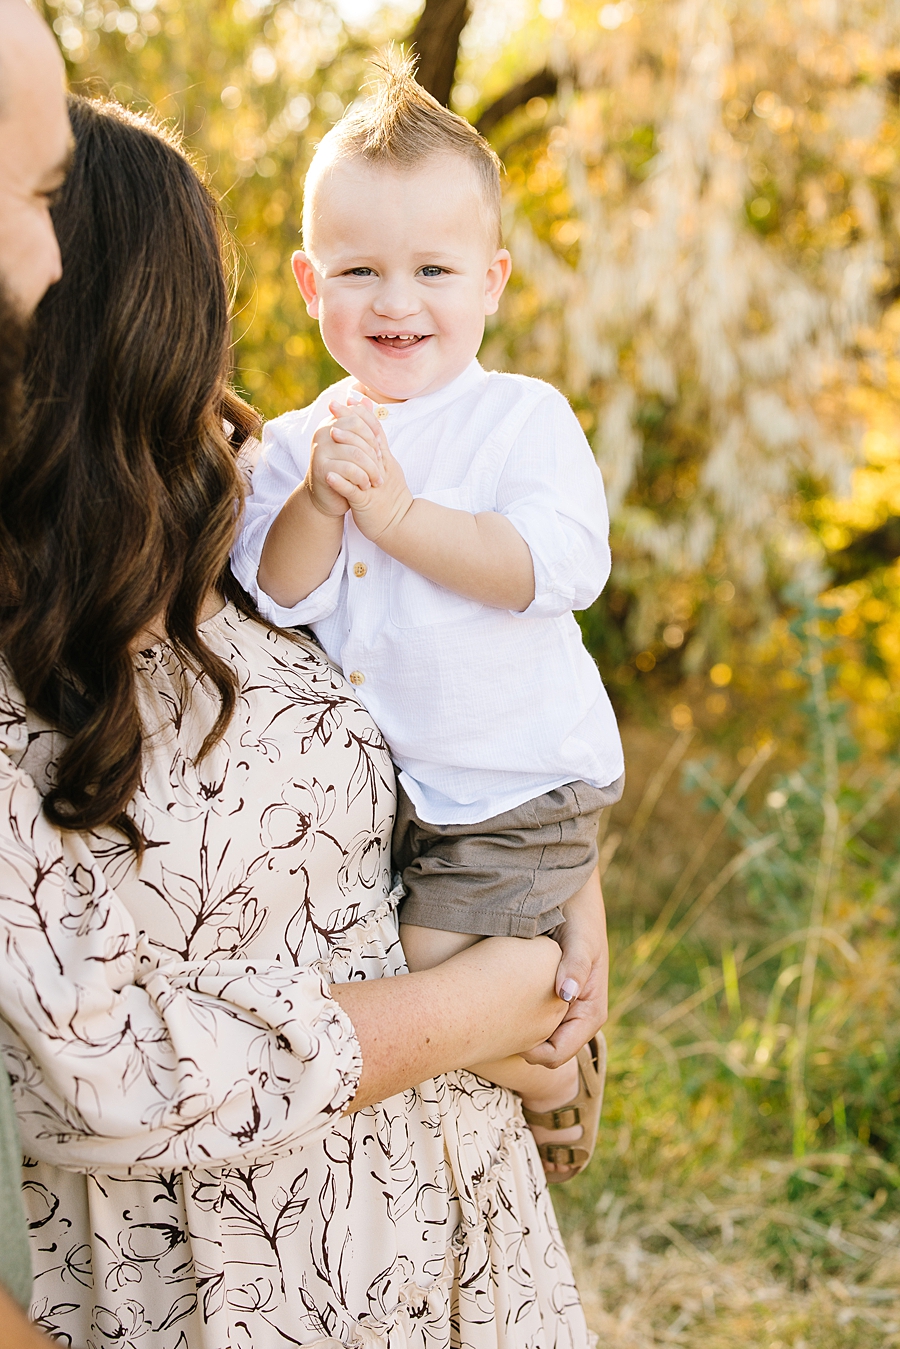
[180, 1069]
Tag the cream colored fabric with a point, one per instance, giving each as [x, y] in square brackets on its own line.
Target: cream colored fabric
[180, 1068]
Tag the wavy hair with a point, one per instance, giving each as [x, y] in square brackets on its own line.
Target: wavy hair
[119, 498]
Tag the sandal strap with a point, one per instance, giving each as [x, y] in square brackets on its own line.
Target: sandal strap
[564, 1117]
[583, 1110]
[564, 1154]
[592, 1066]
[591, 1076]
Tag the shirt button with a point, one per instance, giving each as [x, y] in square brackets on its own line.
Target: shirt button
[381, 412]
[357, 677]
[359, 569]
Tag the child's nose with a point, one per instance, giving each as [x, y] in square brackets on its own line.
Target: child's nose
[396, 300]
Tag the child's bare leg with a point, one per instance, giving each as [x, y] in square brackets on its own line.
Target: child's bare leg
[425, 947]
[541, 1089]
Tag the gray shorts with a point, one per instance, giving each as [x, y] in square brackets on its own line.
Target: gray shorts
[505, 877]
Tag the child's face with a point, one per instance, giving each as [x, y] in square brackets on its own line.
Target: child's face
[401, 270]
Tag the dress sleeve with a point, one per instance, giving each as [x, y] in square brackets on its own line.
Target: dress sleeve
[552, 491]
[126, 1063]
[281, 467]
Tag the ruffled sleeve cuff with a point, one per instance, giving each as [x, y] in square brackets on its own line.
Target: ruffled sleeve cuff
[124, 1062]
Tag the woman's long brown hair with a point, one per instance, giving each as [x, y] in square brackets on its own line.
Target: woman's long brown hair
[119, 499]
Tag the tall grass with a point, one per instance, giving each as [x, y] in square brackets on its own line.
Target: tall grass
[745, 1189]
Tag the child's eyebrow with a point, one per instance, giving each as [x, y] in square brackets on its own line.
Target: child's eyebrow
[436, 255]
[340, 262]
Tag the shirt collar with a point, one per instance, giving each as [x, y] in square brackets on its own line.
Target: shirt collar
[430, 403]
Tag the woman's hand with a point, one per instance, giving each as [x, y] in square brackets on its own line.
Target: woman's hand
[494, 999]
[582, 977]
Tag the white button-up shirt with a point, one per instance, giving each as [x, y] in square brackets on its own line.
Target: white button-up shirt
[483, 708]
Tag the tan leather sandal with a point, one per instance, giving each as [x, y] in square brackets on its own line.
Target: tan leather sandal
[584, 1110]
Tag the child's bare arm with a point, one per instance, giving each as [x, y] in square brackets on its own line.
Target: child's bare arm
[482, 556]
[304, 539]
[300, 549]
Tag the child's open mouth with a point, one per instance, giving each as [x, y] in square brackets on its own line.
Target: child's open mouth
[399, 341]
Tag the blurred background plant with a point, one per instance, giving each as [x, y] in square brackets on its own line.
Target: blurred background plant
[751, 1154]
[702, 202]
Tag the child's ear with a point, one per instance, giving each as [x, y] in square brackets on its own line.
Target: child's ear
[496, 279]
[305, 276]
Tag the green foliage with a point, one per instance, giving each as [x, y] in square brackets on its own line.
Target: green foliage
[702, 215]
[755, 1031]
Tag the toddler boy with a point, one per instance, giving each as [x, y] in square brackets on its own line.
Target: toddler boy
[435, 525]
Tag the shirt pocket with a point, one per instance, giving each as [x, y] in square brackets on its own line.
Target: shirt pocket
[416, 602]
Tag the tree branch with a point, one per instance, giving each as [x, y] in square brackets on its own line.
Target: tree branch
[867, 552]
[542, 85]
[435, 40]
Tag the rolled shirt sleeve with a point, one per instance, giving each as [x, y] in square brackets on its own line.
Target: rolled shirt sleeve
[551, 490]
[125, 1061]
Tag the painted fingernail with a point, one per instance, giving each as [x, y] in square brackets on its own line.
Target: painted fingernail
[568, 990]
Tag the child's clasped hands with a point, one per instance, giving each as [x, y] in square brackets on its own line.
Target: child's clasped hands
[351, 468]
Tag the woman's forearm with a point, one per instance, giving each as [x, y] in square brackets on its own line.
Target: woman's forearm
[494, 999]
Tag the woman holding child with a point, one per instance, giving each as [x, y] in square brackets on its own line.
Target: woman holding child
[238, 1130]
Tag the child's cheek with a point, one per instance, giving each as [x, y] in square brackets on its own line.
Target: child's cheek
[338, 328]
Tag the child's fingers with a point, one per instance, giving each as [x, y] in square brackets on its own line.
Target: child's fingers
[356, 426]
[352, 433]
[364, 413]
[360, 453]
[360, 416]
[359, 406]
[348, 490]
[351, 472]
[339, 409]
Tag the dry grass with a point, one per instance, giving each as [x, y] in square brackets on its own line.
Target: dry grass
[636, 1300]
[744, 1191]
[685, 1273]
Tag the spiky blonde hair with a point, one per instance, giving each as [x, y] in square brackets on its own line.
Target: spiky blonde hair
[401, 127]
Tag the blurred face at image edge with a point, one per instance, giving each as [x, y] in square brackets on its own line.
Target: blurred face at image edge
[34, 150]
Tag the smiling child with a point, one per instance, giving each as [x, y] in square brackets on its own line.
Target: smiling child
[435, 525]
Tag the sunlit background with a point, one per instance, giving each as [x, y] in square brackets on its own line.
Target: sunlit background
[702, 202]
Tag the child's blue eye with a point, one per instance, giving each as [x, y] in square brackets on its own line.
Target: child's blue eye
[432, 271]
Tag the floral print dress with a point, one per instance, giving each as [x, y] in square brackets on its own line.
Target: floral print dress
[180, 1070]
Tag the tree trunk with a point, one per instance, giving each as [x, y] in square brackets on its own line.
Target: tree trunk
[436, 42]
